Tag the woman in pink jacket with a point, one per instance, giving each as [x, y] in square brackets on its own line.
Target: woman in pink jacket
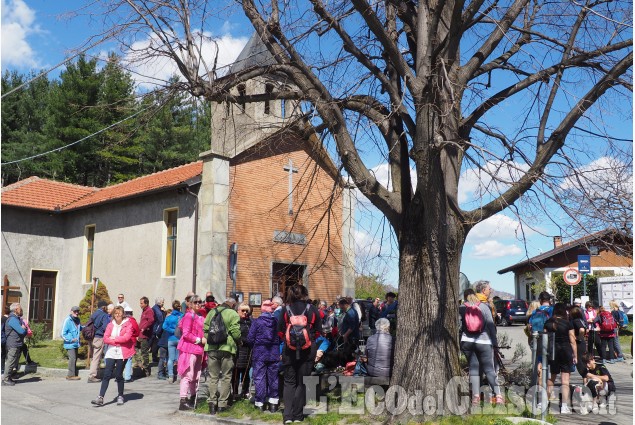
[119, 342]
[190, 352]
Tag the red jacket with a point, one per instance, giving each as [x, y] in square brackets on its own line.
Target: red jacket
[145, 325]
[125, 340]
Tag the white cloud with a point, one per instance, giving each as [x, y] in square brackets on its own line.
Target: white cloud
[603, 173]
[498, 226]
[158, 69]
[18, 22]
[493, 249]
[489, 180]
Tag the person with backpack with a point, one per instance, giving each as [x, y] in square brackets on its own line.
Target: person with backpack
[536, 323]
[100, 320]
[144, 341]
[299, 328]
[579, 329]
[618, 316]
[222, 328]
[477, 342]
[13, 333]
[607, 327]
[565, 353]
[190, 352]
[169, 326]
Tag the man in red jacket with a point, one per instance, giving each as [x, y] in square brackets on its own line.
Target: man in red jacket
[142, 356]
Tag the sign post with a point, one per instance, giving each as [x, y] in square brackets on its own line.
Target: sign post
[584, 266]
[572, 277]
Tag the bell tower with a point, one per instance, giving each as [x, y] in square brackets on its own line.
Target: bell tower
[238, 126]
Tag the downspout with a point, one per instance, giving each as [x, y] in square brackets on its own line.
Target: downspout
[195, 251]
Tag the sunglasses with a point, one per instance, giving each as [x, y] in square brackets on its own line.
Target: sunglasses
[197, 302]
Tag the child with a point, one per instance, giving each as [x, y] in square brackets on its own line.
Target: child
[600, 381]
[263, 337]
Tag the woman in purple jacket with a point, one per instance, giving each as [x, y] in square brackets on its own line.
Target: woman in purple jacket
[264, 339]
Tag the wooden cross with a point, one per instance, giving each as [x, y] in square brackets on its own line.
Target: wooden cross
[291, 170]
[5, 291]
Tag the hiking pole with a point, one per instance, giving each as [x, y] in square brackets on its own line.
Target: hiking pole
[242, 384]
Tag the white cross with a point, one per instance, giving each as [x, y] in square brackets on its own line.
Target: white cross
[291, 170]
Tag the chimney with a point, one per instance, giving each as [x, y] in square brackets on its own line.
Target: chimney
[557, 241]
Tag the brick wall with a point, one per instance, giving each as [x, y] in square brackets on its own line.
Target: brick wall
[259, 206]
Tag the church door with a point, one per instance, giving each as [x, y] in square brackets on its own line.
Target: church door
[284, 276]
[42, 298]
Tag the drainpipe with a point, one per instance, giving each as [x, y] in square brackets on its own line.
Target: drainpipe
[195, 252]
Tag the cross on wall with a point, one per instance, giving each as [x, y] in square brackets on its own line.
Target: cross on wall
[291, 170]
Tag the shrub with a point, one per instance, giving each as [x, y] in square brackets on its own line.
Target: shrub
[101, 294]
[39, 334]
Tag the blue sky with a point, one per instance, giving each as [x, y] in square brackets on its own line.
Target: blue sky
[37, 35]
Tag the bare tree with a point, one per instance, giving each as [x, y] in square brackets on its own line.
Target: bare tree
[520, 92]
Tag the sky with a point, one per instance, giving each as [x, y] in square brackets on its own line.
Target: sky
[36, 34]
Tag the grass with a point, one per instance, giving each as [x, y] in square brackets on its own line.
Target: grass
[626, 339]
[48, 353]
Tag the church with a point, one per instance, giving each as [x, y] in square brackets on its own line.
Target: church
[263, 209]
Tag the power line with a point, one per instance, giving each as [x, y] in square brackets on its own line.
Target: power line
[76, 142]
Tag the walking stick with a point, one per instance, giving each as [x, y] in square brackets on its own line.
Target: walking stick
[242, 384]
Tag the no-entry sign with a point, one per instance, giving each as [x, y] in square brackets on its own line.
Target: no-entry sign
[572, 277]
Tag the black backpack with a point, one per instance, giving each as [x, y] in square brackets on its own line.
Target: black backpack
[217, 333]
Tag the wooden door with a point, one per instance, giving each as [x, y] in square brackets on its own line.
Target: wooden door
[284, 276]
[42, 298]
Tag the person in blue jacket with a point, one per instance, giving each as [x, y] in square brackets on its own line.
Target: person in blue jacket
[70, 336]
[169, 325]
[14, 333]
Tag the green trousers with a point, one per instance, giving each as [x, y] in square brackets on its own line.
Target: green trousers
[220, 365]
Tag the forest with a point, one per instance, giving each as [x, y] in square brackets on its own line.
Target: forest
[92, 126]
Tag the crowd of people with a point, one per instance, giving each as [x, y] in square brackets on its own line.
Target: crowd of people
[581, 340]
[218, 353]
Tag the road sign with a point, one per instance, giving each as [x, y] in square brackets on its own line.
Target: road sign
[584, 264]
[572, 277]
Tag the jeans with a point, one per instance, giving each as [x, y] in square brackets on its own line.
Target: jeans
[616, 343]
[220, 365]
[173, 356]
[72, 361]
[611, 354]
[163, 360]
[117, 366]
[480, 357]
[127, 373]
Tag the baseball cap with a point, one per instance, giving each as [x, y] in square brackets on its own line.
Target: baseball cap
[577, 301]
[74, 308]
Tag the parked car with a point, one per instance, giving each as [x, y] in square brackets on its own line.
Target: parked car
[509, 312]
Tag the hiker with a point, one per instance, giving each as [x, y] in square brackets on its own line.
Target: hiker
[190, 352]
[70, 335]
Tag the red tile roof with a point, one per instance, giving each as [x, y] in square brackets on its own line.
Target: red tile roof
[42, 194]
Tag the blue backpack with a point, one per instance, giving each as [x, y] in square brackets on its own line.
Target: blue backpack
[538, 318]
[624, 321]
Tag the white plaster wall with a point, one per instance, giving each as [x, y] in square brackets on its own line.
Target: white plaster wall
[129, 249]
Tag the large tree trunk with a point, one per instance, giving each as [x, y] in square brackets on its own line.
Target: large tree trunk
[427, 349]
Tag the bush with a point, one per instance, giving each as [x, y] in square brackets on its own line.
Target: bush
[39, 334]
[101, 294]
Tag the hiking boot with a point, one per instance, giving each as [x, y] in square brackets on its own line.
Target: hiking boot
[184, 405]
[8, 382]
[73, 378]
[273, 408]
[212, 408]
[260, 407]
[99, 401]
[120, 401]
[92, 379]
[192, 401]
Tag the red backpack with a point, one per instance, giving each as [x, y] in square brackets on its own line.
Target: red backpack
[474, 321]
[297, 335]
[607, 322]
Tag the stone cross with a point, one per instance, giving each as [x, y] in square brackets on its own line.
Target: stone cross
[291, 170]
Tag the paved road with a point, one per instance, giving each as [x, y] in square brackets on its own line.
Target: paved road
[50, 399]
[53, 400]
[622, 375]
